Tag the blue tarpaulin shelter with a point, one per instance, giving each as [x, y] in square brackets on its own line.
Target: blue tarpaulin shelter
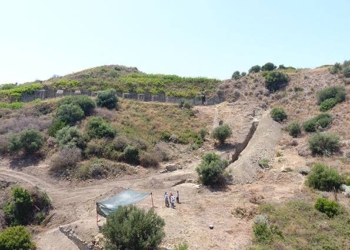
[125, 198]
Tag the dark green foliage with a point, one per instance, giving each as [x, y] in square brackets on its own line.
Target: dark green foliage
[278, 114]
[328, 104]
[254, 69]
[107, 99]
[131, 228]
[321, 120]
[97, 127]
[346, 71]
[69, 114]
[281, 67]
[294, 129]
[236, 75]
[337, 92]
[211, 169]
[68, 137]
[30, 140]
[17, 211]
[324, 178]
[83, 101]
[330, 208]
[221, 133]
[275, 80]
[268, 67]
[243, 74]
[131, 154]
[16, 238]
[324, 143]
[56, 125]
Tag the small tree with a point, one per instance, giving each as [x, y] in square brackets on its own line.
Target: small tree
[107, 98]
[97, 127]
[83, 101]
[133, 228]
[15, 238]
[278, 114]
[131, 154]
[323, 178]
[211, 169]
[268, 67]
[243, 74]
[254, 69]
[275, 80]
[236, 75]
[346, 71]
[221, 133]
[324, 143]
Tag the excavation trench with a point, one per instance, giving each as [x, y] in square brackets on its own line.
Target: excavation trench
[259, 143]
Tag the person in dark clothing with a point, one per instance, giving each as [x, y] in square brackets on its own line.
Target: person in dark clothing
[177, 197]
[203, 98]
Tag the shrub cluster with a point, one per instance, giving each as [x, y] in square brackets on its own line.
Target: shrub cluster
[133, 228]
[275, 80]
[321, 120]
[323, 178]
[268, 67]
[83, 101]
[69, 137]
[14, 238]
[29, 140]
[97, 127]
[330, 208]
[329, 97]
[254, 69]
[211, 169]
[65, 159]
[278, 114]
[324, 143]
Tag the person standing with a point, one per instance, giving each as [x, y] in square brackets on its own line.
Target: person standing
[172, 200]
[178, 197]
[166, 199]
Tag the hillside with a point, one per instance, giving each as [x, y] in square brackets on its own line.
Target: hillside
[145, 139]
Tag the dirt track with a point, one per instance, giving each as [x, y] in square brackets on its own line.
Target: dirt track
[74, 204]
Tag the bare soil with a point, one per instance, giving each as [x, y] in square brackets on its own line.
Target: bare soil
[74, 202]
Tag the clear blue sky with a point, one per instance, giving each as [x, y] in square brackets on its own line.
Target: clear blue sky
[40, 38]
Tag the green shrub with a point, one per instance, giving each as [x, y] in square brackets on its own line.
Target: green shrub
[268, 67]
[335, 68]
[30, 140]
[97, 127]
[221, 133]
[16, 238]
[264, 163]
[262, 233]
[324, 143]
[107, 99]
[236, 75]
[243, 74]
[323, 178]
[18, 210]
[211, 169]
[131, 154]
[181, 246]
[69, 114]
[330, 208]
[294, 129]
[83, 101]
[68, 137]
[337, 92]
[346, 71]
[321, 120]
[278, 114]
[133, 228]
[328, 104]
[56, 125]
[275, 80]
[254, 69]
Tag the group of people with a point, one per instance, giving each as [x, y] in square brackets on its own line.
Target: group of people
[170, 199]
